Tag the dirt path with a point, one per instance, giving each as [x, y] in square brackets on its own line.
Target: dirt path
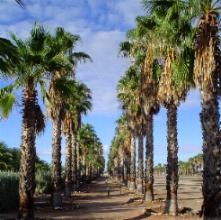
[93, 202]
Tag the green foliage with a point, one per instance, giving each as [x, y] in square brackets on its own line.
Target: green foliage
[9, 158]
[41, 165]
[128, 89]
[9, 182]
[160, 168]
[43, 181]
[91, 147]
[192, 166]
[121, 136]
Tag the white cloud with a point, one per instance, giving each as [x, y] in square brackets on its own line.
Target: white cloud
[129, 10]
[101, 25]
[102, 75]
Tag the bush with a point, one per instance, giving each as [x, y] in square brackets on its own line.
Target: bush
[9, 184]
[9, 196]
[43, 182]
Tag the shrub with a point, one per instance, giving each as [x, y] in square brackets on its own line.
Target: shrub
[43, 182]
[9, 196]
[9, 184]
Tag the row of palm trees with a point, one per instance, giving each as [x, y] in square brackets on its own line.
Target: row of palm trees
[47, 62]
[173, 48]
[193, 166]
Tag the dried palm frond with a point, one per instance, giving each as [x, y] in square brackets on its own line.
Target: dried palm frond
[207, 55]
[40, 119]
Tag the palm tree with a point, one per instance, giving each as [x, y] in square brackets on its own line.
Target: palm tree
[174, 36]
[82, 106]
[33, 119]
[128, 94]
[124, 95]
[120, 147]
[139, 49]
[90, 149]
[67, 130]
[34, 61]
[64, 42]
[78, 103]
[124, 151]
[142, 50]
[207, 76]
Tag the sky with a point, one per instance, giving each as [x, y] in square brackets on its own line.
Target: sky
[102, 25]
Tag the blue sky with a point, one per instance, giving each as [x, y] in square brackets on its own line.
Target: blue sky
[102, 26]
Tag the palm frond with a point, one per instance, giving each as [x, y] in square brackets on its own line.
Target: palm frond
[40, 119]
[6, 104]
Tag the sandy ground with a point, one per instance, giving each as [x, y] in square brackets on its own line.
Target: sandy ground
[93, 202]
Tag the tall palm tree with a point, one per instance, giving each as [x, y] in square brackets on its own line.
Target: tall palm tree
[34, 62]
[141, 48]
[66, 43]
[82, 106]
[90, 149]
[120, 147]
[88, 143]
[174, 37]
[67, 126]
[207, 76]
[128, 94]
[78, 103]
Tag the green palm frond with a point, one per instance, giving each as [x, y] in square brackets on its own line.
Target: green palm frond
[36, 42]
[125, 48]
[79, 57]
[6, 104]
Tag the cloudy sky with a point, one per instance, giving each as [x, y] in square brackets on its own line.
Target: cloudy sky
[102, 25]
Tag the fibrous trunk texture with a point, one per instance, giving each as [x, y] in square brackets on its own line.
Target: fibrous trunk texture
[78, 167]
[74, 162]
[68, 163]
[211, 154]
[207, 68]
[125, 170]
[149, 177]
[56, 162]
[133, 165]
[171, 205]
[28, 156]
[140, 166]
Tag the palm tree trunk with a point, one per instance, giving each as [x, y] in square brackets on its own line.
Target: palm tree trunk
[133, 165]
[56, 162]
[171, 206]
[211, 153]
[74, 162]
[68, 163]
[125, 171]
[28, 156]
[149, 177]
[78, 177]
[140, 165]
